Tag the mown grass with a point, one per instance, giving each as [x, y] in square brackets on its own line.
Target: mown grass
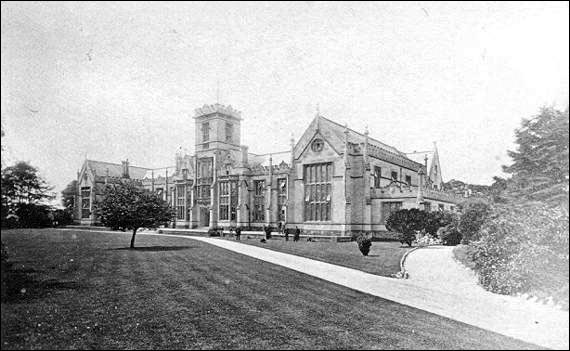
[383, 259]
[86, 291]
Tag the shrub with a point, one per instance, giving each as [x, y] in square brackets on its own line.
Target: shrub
[473, 215]
[407, 223]
[216, 231]
[33, 216]
[449, 235]
[433, 221]
[63, 217]
[364, 243]
[524, 250]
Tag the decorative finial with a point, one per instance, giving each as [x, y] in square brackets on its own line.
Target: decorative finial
[318, 110]
[346, 129]
[366, 130]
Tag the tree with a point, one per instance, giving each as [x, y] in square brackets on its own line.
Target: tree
[406, 222]
[23, 191]
[22, 183]
[68, 196]
[540, 163]
[474, 213]
[128, 206]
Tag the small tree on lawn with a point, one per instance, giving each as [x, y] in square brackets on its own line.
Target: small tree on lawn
[128, 206]
[406, 222]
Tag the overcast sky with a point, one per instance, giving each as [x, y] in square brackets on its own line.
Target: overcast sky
[112, 81]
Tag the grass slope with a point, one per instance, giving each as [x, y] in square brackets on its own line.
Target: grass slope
[85, 290]
[383, 259]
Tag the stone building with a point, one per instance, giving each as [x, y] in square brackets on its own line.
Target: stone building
[332, 181]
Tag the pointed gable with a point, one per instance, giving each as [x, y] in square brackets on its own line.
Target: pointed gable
[334, 134]
[435, 169]
[430, 157]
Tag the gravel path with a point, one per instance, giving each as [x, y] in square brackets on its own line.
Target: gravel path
[435, 268]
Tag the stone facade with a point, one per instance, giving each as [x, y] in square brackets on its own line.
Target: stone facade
[333, 181]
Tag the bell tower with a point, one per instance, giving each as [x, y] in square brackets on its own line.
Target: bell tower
[217, 127]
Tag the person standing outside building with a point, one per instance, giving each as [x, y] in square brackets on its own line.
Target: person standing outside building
[297, 234]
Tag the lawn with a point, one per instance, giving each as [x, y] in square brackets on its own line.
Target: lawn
[83, 290]
[383, 259]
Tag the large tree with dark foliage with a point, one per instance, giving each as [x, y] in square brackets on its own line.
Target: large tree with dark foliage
[540, 162]
[128, 206]
[68, 196]
[23, 191]
[22, 183]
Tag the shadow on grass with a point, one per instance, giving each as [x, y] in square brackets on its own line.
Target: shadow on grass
[19, 286]
[154, 248]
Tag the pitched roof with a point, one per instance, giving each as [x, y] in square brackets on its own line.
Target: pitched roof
[276, 158]
[419, 157]
[335, 134]
[101, 168]
[354, 136]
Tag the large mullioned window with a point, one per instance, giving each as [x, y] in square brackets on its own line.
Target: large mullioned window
[180, 202]
[224, 200]
[85, 202]
[228, 200]
[205, 174]
[282, 197]
[318, 183]
[259, 201]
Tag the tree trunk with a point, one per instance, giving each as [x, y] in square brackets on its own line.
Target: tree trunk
[133, 238]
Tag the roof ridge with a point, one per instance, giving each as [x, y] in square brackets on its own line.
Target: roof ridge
[115, 164]
[273, 153]
[362, 135]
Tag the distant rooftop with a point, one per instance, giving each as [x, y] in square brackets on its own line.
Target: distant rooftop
[114, 169]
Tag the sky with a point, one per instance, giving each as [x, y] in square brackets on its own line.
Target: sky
[111, 81]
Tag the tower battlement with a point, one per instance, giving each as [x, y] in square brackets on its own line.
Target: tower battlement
[217, 108]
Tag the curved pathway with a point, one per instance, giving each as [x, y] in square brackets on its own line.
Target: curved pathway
[445, 292]
[435, 268]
